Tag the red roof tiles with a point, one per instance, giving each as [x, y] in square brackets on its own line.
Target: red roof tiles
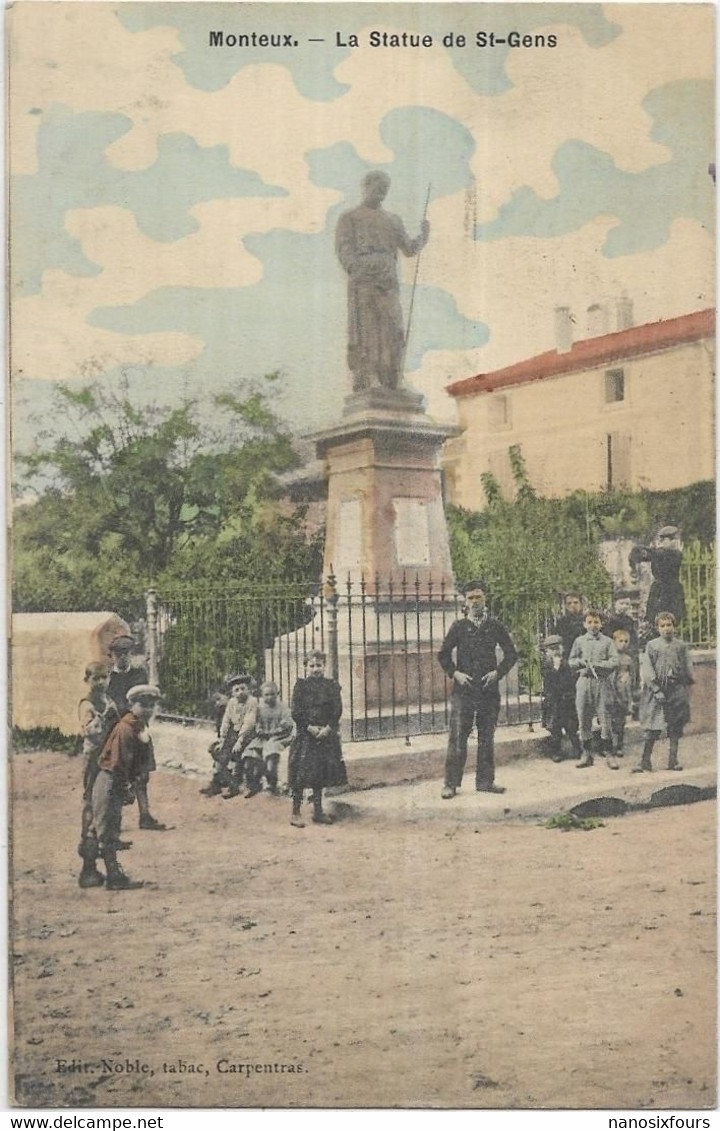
[593, 352]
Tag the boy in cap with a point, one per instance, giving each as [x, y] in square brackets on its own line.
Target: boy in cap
[121, 762]
[124, 676]
[123, 673]
[559, 714]
[240, 708]
[594, 657]
[272, 728]
[667, 674]
[98, 715]
[468, 657]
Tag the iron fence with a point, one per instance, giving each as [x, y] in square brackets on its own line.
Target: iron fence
[381, 638]
[698, 576]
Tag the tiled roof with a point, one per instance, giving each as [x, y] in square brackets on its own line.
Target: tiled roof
[593, 352]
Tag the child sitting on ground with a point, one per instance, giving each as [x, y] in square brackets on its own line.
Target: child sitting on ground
[667, 673]
[559, 714]
[272, 730]
[240, 705]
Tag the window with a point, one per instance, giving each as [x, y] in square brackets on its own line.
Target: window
[498, 411]
[618, 453]
[614, 386]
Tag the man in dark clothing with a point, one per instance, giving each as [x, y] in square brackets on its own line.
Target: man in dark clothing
[469, 659]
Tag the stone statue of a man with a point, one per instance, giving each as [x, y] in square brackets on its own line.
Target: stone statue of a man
[367, 241]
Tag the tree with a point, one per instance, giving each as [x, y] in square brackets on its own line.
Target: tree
[126, 497]
[528, 550]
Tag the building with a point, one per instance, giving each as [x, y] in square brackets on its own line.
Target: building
[631, 408]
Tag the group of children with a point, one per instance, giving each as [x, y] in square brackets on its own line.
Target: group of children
[254, 732]
[593, 670]
[117, 761]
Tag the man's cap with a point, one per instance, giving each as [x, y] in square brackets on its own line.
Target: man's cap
[476, 583]
[143, 691]
[121, 643]
[548, 641]
[668, 532]
[240, 677]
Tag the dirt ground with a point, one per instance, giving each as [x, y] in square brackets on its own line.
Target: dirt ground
[372, 963]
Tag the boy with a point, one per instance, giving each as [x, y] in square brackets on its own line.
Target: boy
[123, 677]
[123, 759]
[272, 730]
[667, 673]
[595, 658]
[123, 673]
[558, 703]
[570, 625]
[98, 716]
[239, 707]
[622, 689]
[621, 617]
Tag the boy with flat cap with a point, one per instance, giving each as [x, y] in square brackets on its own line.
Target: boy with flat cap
[124, 676]
[469, 659]
[121, 763]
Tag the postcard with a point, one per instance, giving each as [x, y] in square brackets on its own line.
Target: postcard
[362, 556]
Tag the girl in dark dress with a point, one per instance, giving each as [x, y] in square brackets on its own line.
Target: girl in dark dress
[316, 757]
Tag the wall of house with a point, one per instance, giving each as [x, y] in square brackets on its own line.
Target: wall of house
[662, 430]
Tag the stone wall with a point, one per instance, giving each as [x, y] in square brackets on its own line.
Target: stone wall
[703, 695]
[48, 656]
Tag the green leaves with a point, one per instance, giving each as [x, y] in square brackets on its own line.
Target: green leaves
[127, 495]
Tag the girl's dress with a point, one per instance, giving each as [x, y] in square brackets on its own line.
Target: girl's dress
[314, 763]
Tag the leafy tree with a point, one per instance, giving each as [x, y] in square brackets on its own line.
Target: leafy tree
[126, 497]
[528, 550]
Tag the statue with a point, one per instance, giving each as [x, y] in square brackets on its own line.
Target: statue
[367, 241]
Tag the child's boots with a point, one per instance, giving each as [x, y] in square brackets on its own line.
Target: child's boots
[587, 759]
[89, 877]
[645, 766]
[673, 763]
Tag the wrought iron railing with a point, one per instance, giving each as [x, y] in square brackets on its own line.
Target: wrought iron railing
[381, 638]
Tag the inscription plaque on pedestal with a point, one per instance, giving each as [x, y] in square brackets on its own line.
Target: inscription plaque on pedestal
[412, 532]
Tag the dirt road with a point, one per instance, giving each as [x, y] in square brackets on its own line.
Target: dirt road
[372, 963]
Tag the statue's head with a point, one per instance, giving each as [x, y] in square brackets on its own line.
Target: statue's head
[375, 187]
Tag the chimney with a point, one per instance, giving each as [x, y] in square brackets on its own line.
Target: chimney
[563, 329]
[624, 317]
[597, 320]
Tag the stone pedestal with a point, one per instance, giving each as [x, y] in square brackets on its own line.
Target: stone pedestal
[385, 515]
[387, 545]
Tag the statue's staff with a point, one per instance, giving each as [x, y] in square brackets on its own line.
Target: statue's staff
[414, 286]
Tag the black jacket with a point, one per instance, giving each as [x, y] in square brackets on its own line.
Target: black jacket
[474, 646]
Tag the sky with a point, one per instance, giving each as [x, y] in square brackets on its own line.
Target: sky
[173, 204]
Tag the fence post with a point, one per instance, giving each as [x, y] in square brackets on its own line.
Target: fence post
[332, 626]
[151, 614]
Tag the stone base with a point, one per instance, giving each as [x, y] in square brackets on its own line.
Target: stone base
[382, 400]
